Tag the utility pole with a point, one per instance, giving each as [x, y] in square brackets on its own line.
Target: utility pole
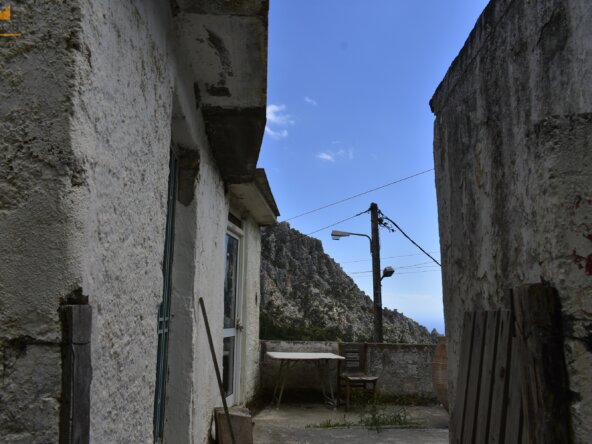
[376, 281]
[376, 277]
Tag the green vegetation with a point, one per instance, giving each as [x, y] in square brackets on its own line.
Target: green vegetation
[272, 328]
[373, 417]
[331, 424]
[376, 417]
[408, 400]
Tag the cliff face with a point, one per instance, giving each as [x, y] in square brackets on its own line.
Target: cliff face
[306, 295]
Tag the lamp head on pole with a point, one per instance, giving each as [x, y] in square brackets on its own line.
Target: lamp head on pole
[336, 235]
[387, 272]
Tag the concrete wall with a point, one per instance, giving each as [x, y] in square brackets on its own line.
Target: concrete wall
[512, 144]
[93, 95]
[251, 298]
[40, 197]
[124, 150]
[403, 369]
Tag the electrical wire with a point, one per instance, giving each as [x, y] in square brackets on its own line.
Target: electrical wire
[398, 274]
[414, 266]
[358, 195]
[411, 240]
[337, 223]
[328, 226]
[408, 270]
[388, 257]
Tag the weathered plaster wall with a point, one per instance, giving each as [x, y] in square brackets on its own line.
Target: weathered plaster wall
[250, 317]
[121, 132]
[512, 145]
[40, 192]
[94, 93]
[181, 352]
[212, 217]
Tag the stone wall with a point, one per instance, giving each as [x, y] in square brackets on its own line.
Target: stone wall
[512, 145]
[403, 369]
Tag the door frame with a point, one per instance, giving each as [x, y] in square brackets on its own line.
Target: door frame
[237, 233]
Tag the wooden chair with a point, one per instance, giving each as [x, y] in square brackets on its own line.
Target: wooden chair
[353, 371]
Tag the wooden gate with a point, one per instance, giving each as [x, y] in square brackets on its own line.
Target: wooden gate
[512, 382]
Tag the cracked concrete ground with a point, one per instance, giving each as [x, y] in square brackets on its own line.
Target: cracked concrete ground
[288, 425]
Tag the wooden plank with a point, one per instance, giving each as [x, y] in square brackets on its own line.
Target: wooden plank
[79, 323]
[487, 372]
[76, 374]
[515, 417]
[458, 411]
[81, 373]
[542, 364]
[499, 395]
[474, 380]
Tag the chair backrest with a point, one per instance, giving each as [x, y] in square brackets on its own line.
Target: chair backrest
[355, 357]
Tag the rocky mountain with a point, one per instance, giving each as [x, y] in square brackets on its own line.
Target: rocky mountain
[306, 295]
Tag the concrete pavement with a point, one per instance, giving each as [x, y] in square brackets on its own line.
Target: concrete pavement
[299, 424]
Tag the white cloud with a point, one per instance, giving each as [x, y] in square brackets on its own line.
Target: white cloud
[275, 114]
[279, 134]
[277, 121]
[326, 156]
[310, 101]
[332, 156]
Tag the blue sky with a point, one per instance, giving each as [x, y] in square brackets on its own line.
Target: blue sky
[349, 84]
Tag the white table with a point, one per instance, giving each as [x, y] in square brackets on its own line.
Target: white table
[289, 359]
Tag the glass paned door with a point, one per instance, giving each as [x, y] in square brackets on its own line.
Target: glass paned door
[231, 304]
[228, 365]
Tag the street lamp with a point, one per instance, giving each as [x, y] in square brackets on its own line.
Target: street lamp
[376, 277]
[387, 272]
[336, 235]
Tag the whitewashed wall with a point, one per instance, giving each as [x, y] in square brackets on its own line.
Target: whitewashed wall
[93, 105]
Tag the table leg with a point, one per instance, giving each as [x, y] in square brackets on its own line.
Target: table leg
[281, 381]
[279, 385]
[327, 383]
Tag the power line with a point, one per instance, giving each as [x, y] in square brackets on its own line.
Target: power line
[328, 226]
[423, 268]
[337, 223]
[398, 274]
[420, 265]
[388, 257]
[411, 240]
[359, 194]
[417, 272]
[414, 266]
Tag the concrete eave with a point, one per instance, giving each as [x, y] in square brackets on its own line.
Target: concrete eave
[255, 198]
[225, 44]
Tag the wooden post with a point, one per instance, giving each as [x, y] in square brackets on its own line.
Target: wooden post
[376, 284]
[76, 374]
[539, 336]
